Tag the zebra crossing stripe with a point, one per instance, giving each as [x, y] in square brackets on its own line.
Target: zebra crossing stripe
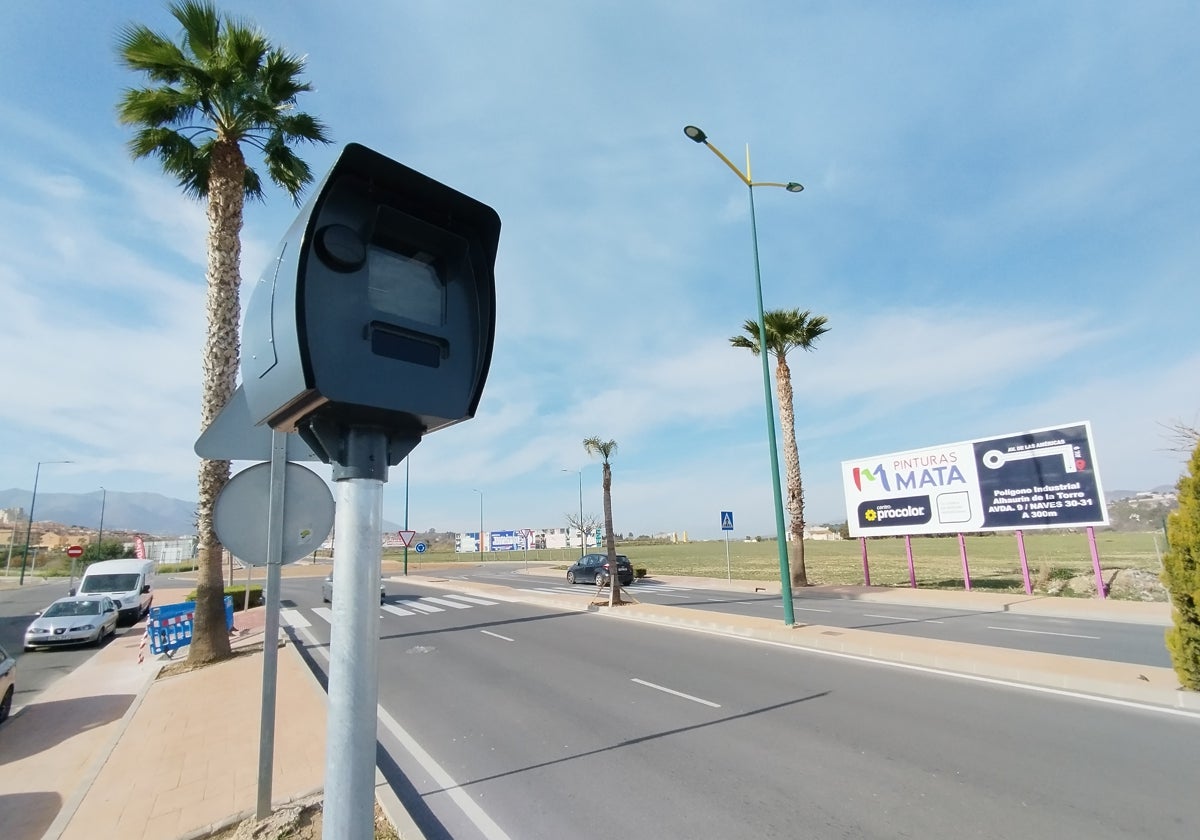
[445, 603]
[471, 600]
[294, 618]
[325, 613]
[427, 608]
[396, 610]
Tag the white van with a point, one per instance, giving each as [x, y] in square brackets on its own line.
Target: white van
[127, 582]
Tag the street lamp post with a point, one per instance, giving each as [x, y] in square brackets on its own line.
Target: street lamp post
[480, 492]
[33, 501]
[100, 534]
[582, 536]
[785, 580]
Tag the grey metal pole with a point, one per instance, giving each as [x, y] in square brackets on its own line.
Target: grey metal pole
[349, 811]
[266, 725]
[29, 530]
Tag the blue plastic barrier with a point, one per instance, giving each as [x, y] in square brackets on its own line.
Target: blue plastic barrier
[170, 627]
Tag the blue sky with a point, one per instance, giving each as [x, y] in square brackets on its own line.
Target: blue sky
[1000, 222]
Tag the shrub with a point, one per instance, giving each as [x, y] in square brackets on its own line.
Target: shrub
[175, 568]
[1181, 576]
[238, 593]
[639, 573]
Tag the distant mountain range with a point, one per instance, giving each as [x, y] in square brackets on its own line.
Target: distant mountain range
[147, 513]
[158, 515]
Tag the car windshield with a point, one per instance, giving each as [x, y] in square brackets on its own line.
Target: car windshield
[109, 583]
[60, 608]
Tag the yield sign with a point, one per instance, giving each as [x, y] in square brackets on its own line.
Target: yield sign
[406, 537]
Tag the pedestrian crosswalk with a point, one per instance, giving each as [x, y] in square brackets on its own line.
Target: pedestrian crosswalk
[427, 605]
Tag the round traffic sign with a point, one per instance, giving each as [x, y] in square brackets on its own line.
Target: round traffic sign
[420, 547]
[75, 551]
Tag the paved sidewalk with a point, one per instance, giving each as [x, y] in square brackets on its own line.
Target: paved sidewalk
[110, 751]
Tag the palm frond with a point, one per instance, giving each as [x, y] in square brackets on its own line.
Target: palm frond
[223, 78]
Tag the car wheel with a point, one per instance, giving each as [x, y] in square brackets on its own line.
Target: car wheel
[571, 578]
[6, 704]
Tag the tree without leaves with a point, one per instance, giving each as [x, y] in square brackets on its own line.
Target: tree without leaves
[585, 526]
[606, 449]
[787, 330]
[221, 87]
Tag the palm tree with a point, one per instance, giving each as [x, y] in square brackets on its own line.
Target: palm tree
[787, 329]
[606, 449]
[223, 86]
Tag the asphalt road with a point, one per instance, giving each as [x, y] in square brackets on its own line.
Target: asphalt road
[37, 670]
[510, 720]
[1106, 640]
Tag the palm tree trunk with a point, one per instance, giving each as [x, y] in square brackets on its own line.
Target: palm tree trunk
[610, 541]
[210, 638]
[791, 460]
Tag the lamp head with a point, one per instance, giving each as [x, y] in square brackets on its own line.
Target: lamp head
[695, 134]
[792, 186]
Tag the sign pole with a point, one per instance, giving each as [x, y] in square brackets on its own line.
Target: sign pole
[728, 569]
[266, 727]
[727, 526]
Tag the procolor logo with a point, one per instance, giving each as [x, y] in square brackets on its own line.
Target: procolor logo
[911, 510]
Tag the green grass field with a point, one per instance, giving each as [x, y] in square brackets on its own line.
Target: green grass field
[994, 560]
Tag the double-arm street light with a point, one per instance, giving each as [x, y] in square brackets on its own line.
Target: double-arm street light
[33, 501]
[582, 536]
[785, 578]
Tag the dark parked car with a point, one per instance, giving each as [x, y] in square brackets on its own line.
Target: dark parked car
[593, 568]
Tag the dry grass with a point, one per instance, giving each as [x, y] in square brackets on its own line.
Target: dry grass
[994, 560]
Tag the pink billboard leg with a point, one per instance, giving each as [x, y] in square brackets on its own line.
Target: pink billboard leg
[912, 572]
[1024, 562]
[866, 568]
[962, 551]
[1101, 592]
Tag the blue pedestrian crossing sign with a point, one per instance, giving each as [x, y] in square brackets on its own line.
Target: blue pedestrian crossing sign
[726, 520]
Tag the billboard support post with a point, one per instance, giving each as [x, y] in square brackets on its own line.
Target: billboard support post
[1024, 562]
[1101, 590]
[962, 551]
[866, 567]
[912, 570]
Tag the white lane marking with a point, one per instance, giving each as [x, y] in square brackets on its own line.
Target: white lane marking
[396, 610]
[1043, 632]
[425, 608]
[676, 693]
[294, 618]
[925, 669]
[717, 600]
[470, 600]
[808, 609]
[903, 618]
[445, 603]
[673, 595]
[562, 591]
[496, 635]
[486, 825]
[325, 613]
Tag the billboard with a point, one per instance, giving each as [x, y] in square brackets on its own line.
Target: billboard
[1046, 478]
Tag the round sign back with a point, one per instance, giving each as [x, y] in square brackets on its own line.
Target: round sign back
[243, 508]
